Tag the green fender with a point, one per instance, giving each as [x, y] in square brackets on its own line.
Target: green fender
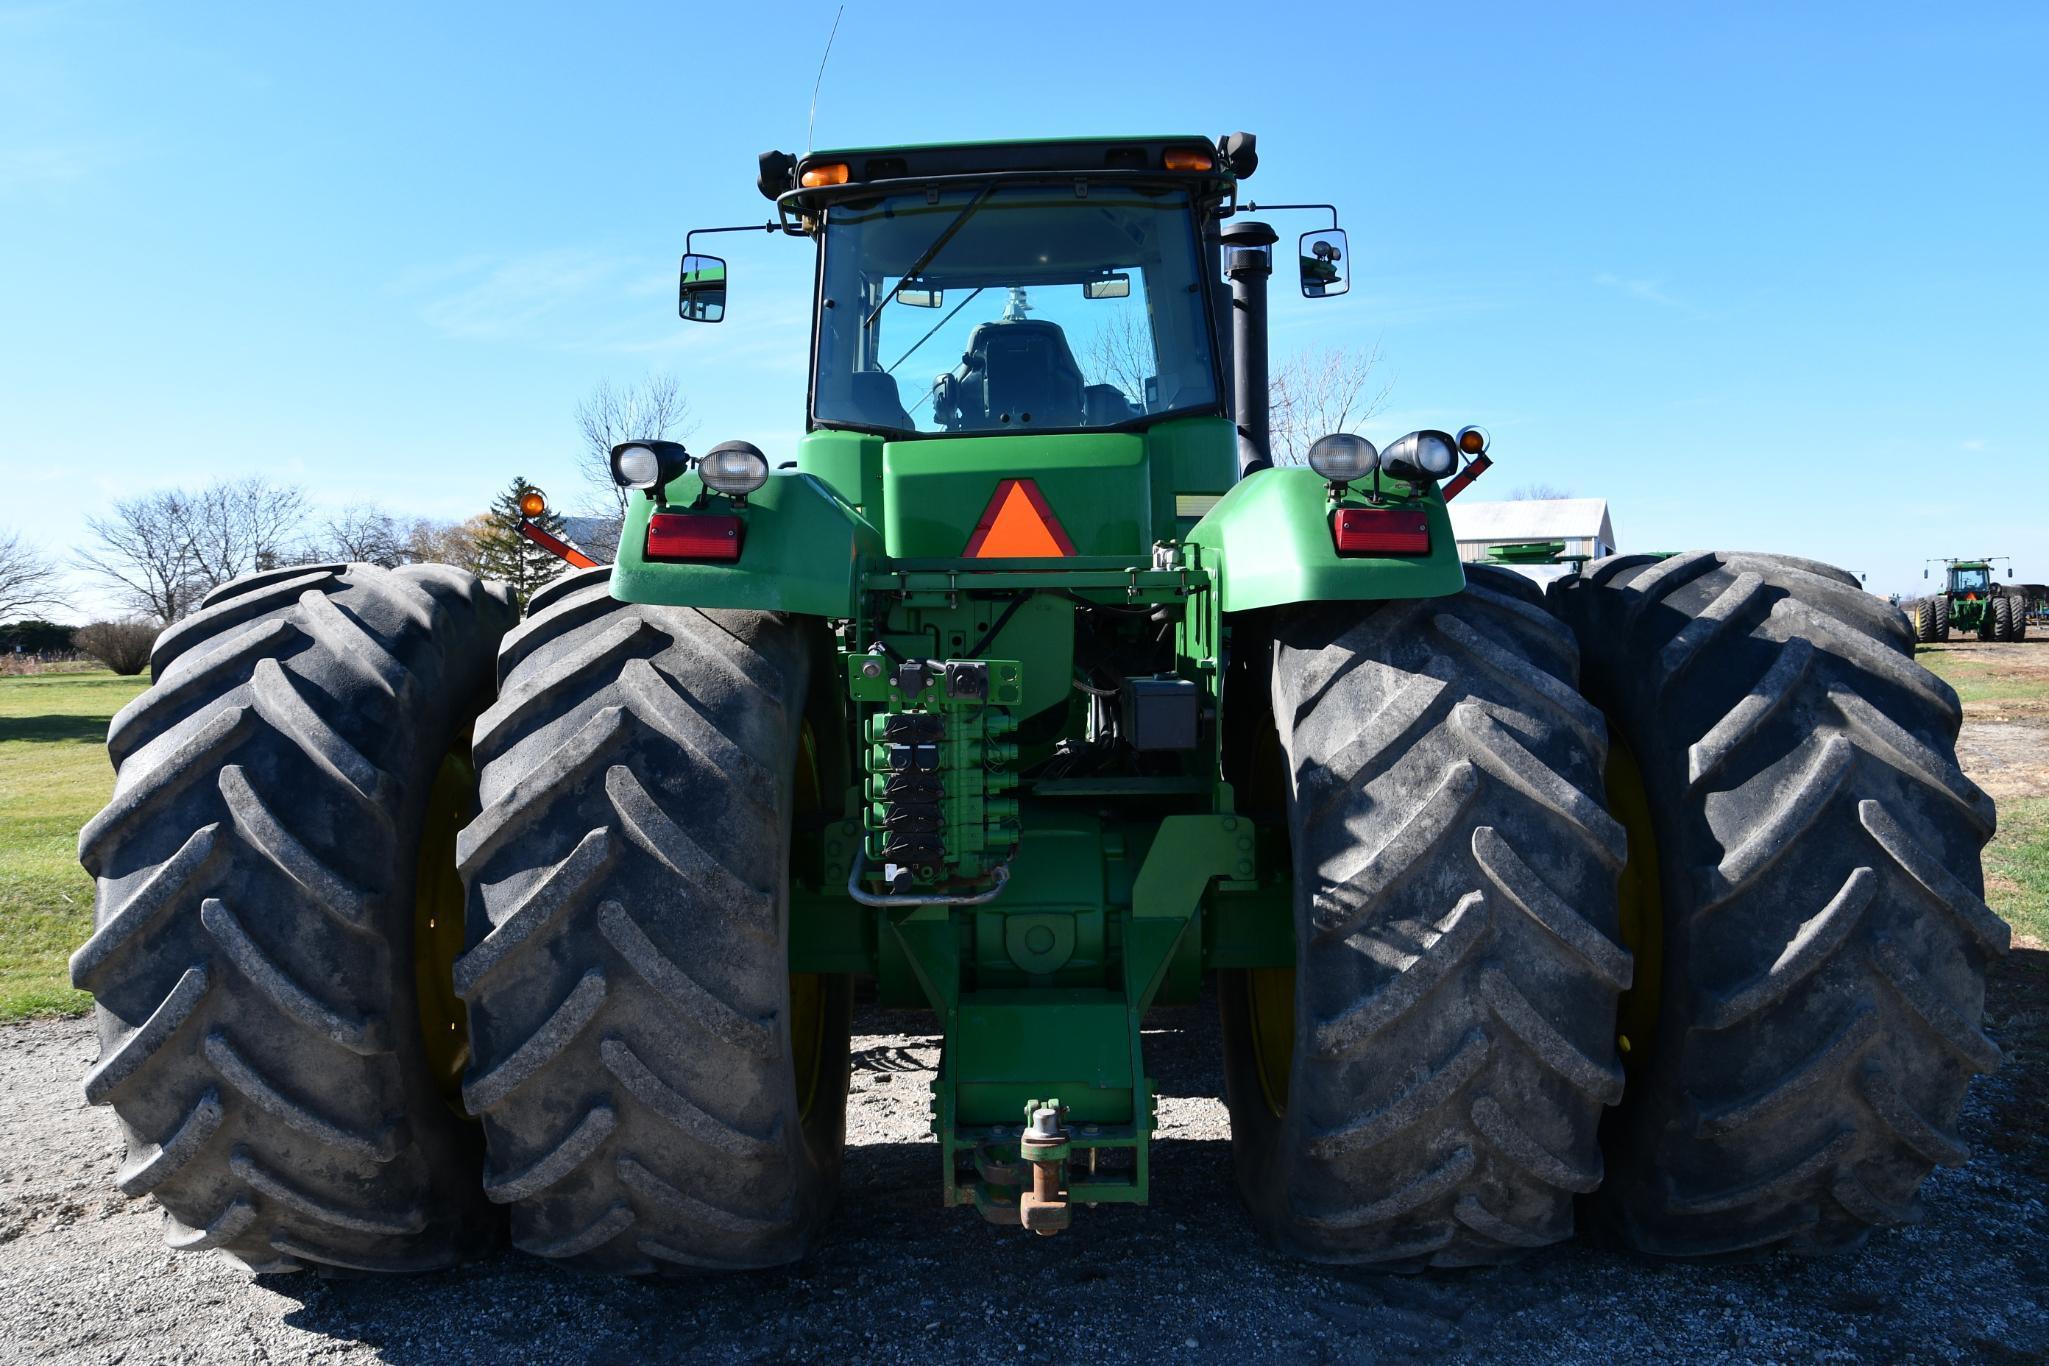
[1268, 542]
[801, 551]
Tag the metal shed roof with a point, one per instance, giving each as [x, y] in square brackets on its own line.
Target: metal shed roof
[1531, 519]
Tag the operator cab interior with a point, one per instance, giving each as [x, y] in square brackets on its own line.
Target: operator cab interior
[1014, 308]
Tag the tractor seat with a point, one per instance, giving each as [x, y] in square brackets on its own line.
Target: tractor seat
[875, 401]
[1025, 371]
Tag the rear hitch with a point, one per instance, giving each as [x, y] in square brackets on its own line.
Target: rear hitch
[1044, 1209]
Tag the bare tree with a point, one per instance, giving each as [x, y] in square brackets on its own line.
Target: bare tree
[1121, 353]
[364, 534]
[241, 526]
[1315, 393]
[652, 410]
[456, 543]
[1529, 493]
[145, 552]
[165, 550]
[28, 579]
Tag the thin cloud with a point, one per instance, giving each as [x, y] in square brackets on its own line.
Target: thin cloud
[34, 168]
[509, 297]
[1649, 291]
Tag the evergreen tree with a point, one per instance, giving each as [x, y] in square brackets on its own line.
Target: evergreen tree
[504, 554]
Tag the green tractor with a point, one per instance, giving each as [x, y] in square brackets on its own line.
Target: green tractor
[1033, 692]
[1970, 601]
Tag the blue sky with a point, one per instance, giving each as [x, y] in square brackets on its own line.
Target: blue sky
[1766, 277]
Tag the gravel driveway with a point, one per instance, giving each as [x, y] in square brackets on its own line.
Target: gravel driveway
[83, 1276]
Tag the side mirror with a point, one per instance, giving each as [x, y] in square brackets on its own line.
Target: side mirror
[701, 290]
[1322, 255]
[1924, 573]
[1109, 287]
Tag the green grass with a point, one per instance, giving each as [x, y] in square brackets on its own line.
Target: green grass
[1978, 681]
[2017, 866]
[53, 776]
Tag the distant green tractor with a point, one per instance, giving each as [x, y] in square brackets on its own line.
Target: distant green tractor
[1029, 690]
[1970, 601]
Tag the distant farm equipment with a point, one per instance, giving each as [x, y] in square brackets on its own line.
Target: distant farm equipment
[1971, 602]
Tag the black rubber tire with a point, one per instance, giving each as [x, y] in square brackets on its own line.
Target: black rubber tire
[2002, 617]
[1942, 618]
[1924, 622]
[1824, 936]
[2020, 619]
[253, 950]
[1455, 911]
[628, 975]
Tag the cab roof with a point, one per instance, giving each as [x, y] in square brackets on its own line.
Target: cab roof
[1195, 158]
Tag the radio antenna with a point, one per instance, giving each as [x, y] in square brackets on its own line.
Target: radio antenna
[812, 123]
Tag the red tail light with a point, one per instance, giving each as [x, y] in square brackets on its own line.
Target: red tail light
[1379, 531]
[693, 536]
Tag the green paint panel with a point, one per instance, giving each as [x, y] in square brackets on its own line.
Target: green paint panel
[1269, 542]
[801, 550]
[850, 463]
[1012, 1046]
[935, 490]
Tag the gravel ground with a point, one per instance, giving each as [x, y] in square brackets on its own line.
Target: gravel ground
[84, 1277]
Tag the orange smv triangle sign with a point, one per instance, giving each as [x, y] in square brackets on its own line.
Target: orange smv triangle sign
[1017, 525]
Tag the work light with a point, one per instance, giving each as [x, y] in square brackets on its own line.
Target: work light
[734, 468]
[648, 464]
[1342, 457]
[1420, 455]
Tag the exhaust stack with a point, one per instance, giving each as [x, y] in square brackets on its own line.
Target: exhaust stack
[1248, 263]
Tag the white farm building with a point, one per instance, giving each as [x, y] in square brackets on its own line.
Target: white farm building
[1579, 525]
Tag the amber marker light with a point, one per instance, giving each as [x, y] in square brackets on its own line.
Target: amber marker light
[1472, 440]
[1189, 159]
[831, 173]
[532, 503]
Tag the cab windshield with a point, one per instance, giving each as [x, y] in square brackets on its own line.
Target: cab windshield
[1012, 308]
[1970, 580]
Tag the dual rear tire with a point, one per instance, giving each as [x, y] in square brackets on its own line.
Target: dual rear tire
[278, 928]
[260, 868]
[656, 1090]
[1931, 620]
[1804, 909]
[1822, 930]
[1430, 1091]
[2009, 619]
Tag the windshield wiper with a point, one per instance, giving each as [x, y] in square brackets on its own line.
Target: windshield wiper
[935, 327]
[925, 256]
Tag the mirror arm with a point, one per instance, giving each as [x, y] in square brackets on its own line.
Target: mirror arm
[1330, 209]
[690, 237]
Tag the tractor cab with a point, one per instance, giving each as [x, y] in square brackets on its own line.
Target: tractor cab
[1012, 309]
[1002, 289]
[1970, 580]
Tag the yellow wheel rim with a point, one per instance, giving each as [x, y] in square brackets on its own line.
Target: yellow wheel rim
[807, 1036]
[1642, 921]
[437, 924]
[1270, 1012]
[807, 989]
